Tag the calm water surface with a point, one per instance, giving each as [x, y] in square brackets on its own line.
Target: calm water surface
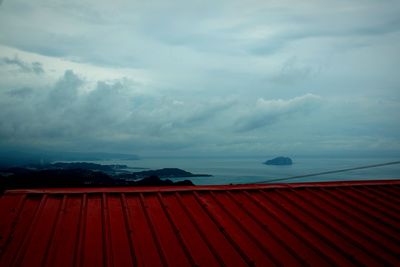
[251, 170]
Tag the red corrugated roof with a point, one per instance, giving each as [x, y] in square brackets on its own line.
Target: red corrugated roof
[319, 224]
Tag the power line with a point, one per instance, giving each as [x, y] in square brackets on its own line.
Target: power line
[329, 172]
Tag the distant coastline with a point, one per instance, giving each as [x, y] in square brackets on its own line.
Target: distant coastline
[83, 174]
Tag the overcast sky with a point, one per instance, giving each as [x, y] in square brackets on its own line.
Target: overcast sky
[201, 77]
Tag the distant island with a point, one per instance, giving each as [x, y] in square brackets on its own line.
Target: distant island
[279, 161]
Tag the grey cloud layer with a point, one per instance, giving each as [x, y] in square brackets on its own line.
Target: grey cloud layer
[267, 112]
[82, 29]
[113, 116]
[227, 77]
[112, 112]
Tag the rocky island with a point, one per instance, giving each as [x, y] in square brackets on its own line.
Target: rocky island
[279, 161]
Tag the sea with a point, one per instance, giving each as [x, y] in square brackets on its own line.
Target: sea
[226, 171]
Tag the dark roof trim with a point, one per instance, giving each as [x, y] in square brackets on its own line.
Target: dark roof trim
[81, 190]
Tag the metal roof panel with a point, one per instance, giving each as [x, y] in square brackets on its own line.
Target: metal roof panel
[320, 224]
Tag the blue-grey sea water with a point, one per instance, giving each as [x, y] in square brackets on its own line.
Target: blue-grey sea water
[251, 170]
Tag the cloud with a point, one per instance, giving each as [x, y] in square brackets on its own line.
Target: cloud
[75, 114]
[268, 112]
[114, 112]
[65, 91]
[68, 112]
[349, 22]
[34, 67]
[215, 76]
[20, 92]
[291, 73]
